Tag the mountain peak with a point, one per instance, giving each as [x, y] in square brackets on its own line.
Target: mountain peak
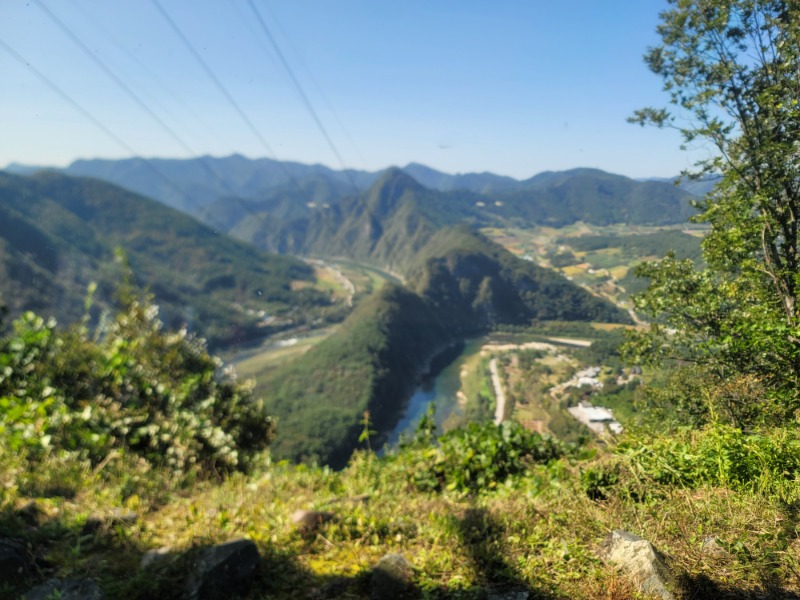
[387, 191]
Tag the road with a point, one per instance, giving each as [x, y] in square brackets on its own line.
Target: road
[499, 394]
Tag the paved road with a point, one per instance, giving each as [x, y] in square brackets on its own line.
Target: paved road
[500, 408]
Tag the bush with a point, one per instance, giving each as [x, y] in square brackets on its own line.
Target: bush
[482, 456]
[765, 462]
[128, 388]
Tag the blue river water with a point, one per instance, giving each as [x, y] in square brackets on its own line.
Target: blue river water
[440, 387]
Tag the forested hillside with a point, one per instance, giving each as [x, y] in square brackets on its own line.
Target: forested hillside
[58, 234]
[461, 285]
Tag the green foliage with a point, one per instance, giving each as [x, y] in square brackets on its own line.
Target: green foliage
[732, 68]
[130, 388]
[659, 243]
[597, 482]
[765, 462]
[371, 364]
[481, 457]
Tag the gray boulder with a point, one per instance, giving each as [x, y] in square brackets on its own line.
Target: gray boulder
[66, 589]
[117, 517]
[224, 571]
[509, 595]
[308, 521]
[392, 577]
[16, 561]
[712, 547]
[640, 561]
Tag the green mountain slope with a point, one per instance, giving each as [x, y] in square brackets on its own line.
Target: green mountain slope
[479, 283]
[58, 233]
[593, 196]
[459, 284]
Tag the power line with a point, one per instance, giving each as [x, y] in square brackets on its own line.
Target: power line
[144, 68]
[231, 100]
[303, 95]
[309, 73]
[99, 124]
[131, 94]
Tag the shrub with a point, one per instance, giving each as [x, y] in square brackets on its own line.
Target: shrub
[129, 388]
[482, 456]
[765, 461]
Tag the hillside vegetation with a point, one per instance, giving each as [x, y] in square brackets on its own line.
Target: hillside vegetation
[59, 233]
[481, 511]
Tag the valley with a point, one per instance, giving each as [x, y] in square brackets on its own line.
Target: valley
[416, 270]
[413, 301]
[407, 347]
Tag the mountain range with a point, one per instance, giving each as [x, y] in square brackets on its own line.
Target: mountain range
[223, 192]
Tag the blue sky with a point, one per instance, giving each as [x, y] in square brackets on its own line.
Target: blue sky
[514, 87]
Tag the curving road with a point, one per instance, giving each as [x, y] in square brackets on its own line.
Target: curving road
[500, 407]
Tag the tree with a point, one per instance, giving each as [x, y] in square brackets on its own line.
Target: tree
[732, 71]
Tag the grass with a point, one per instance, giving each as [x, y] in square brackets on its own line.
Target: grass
[272, 355]
[538, 531]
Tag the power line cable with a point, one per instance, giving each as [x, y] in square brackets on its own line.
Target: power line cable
[131, 94]
[99, 124]
[231, 100]
[265, 29]
[144, 68]
[316, 84]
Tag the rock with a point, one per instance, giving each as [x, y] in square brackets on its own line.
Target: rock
[224, 571]
[15, 560]
[712, 547]
[117, 517]
[66, 589]
[640, 561]
[392, 577]
[509, 595]
[153, 557]
[307, 521]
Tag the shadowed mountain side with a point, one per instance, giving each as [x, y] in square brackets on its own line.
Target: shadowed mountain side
[596, 197]
[371, 363]
[58, 234]
[464, 274]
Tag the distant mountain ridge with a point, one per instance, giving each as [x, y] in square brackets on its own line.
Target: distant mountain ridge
[226, 191]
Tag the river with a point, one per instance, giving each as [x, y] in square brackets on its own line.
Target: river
[441, 387]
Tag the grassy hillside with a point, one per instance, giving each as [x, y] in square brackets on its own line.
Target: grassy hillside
[59, 233]
[125, 459]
